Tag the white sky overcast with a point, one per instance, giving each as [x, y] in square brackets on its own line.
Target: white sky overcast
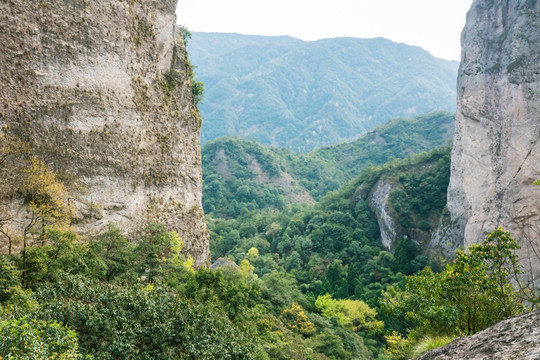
[434, 25]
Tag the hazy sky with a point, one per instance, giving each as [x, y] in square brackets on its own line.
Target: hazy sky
[434, 25]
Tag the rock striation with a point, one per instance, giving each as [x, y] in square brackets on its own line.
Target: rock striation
[496, 151]
[102, 92]
[514, 338]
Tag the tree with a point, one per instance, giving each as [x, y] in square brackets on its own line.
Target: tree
[134, 321]
[296, 319]
[115, 251]
[47, 198]
[28, 339]
[11, 176]
[398, 347]
[361, 316]
[470, 295]
[10, 282]
[406, 251]
[331, 308]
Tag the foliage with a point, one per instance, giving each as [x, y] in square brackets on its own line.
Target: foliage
[296, 319]
[45, 194]
[470, 295]
[115, 251]
[10, 283]
[28, 339]
[244, 174]
[398, 347]
[197, 89]
[331, 308]
[62, 254]
[185, 33]
[361, 316]
[421, 194]
[429, 343]
[134, 322]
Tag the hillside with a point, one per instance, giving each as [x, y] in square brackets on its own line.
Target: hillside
[336, 246]
[287, 92]
[239, 173]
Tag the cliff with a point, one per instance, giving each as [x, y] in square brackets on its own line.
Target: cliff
[101, 91]
[513, 338]
[496, 153]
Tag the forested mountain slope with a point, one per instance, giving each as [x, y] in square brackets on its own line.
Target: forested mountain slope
[287, 92]
[336, 246]
[239, 173]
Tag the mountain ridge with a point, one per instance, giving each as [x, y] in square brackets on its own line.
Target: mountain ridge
[288, 92]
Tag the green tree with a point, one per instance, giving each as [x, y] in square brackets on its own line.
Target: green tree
[132, 321]
[29, 339]
[470, 295]
[10, 281]
[406, 251]
[296, 319]
[115, 251]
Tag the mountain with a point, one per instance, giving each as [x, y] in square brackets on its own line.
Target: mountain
[239, 173]
[389, 207]
[283, 91]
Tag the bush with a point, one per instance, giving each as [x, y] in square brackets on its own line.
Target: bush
[25, 339]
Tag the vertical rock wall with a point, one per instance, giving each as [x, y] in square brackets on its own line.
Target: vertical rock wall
[496, 153]
[101, 91]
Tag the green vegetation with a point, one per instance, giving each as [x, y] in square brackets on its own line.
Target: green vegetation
[121, 300]
[312, 281]
[109, 298]
[24, 339]
[328, 257]
[471, 294]
[302, 95]
[331, 251]
[244, 174]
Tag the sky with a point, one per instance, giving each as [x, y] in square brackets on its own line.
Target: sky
[434, 25]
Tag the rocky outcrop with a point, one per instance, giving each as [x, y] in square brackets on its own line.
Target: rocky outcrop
[496, 153]
[102, 92]
[378, 201]
[513, 338]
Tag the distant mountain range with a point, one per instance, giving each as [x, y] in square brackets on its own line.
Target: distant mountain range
[283, 91]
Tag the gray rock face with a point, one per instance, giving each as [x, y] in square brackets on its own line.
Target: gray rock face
[496, 153]
[379, 203]
[101, 91]
[513, 338]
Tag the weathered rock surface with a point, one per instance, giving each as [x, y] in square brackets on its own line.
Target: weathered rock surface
[496, 153]
[101, 91]
[514, 338]
[378, 201]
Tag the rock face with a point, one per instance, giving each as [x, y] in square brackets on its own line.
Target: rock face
[101, 91]
[496, 153]
[513, 338]
[378, 202]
